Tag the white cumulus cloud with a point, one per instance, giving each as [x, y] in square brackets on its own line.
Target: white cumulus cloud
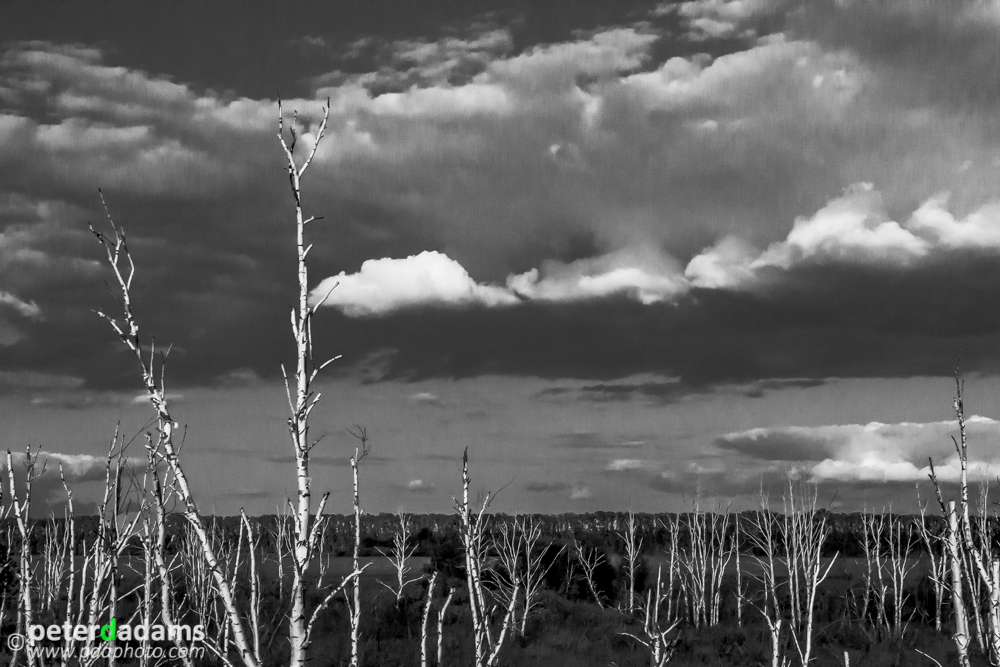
[385, 285]
[586, 279]
[873, 452]
[726, 264]
[979, 229]
[432, 278]
[853, 228]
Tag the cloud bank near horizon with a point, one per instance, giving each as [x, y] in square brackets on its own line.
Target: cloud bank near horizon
[850, 230]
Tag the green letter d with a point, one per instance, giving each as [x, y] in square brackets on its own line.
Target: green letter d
[108, 631]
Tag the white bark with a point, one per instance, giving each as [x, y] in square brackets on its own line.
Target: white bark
[301, 401]
[160, 558]
[804, 535]
[632, 557]
[938, 562]
[709, 552]
[488, 639]
[589, 562]
[534, 572]
[762, 535]
[20, 508]
[961, 636]
[656, 636]
[128, 332]
[440, 625]
[425, 622]
[977, 560]
[400, 557]
[355, 608]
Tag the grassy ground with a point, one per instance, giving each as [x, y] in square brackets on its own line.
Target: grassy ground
[568, 633]
[578, 633]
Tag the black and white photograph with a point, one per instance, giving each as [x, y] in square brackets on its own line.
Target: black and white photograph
[496, 333]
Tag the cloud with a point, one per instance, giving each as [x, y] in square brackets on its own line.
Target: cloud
[14, 381]
[590, 440]
[618, 465]
[852, 229]
[724, 265]
[420, 62]
[662, 392]
[78, 467]
[554, 67]
[563, 178]
[426, 398]
[873, 452]
[385, 285]
[659, 391]
[643, 276]
[979, 230]
[419, 486]
[720, 19]
[47, 488]
[58, 390]
[432, 278]
[576, 491]
[140, 133]
[22, 308]
[172, 397]
[705, 476]
[546, 487]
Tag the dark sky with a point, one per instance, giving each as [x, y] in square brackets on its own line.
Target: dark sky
[626, 252]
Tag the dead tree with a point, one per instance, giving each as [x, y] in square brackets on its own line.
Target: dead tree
[488, 639]
[534, 568]
[360, 451]
[589, 560]
[113, 535]
[674, 569]
[424, 623]
[937, 555]
[710, 549]
[764, 535]
[632, 557]
[656, 635]
[740, 592]
[977, 559]
[804, 533]
[302, 400]
[888, 543]
[400, 556]
[157, 538]
[127, 329]
[20, 506]
[440, 625]
[523, 558]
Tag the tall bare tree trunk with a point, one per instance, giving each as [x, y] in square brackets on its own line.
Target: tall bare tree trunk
[123, 267]
[301, 401]
[961, 635]
[360, 452]
[440, 626]
[424, 624]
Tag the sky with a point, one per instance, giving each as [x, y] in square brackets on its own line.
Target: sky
[630, 254]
